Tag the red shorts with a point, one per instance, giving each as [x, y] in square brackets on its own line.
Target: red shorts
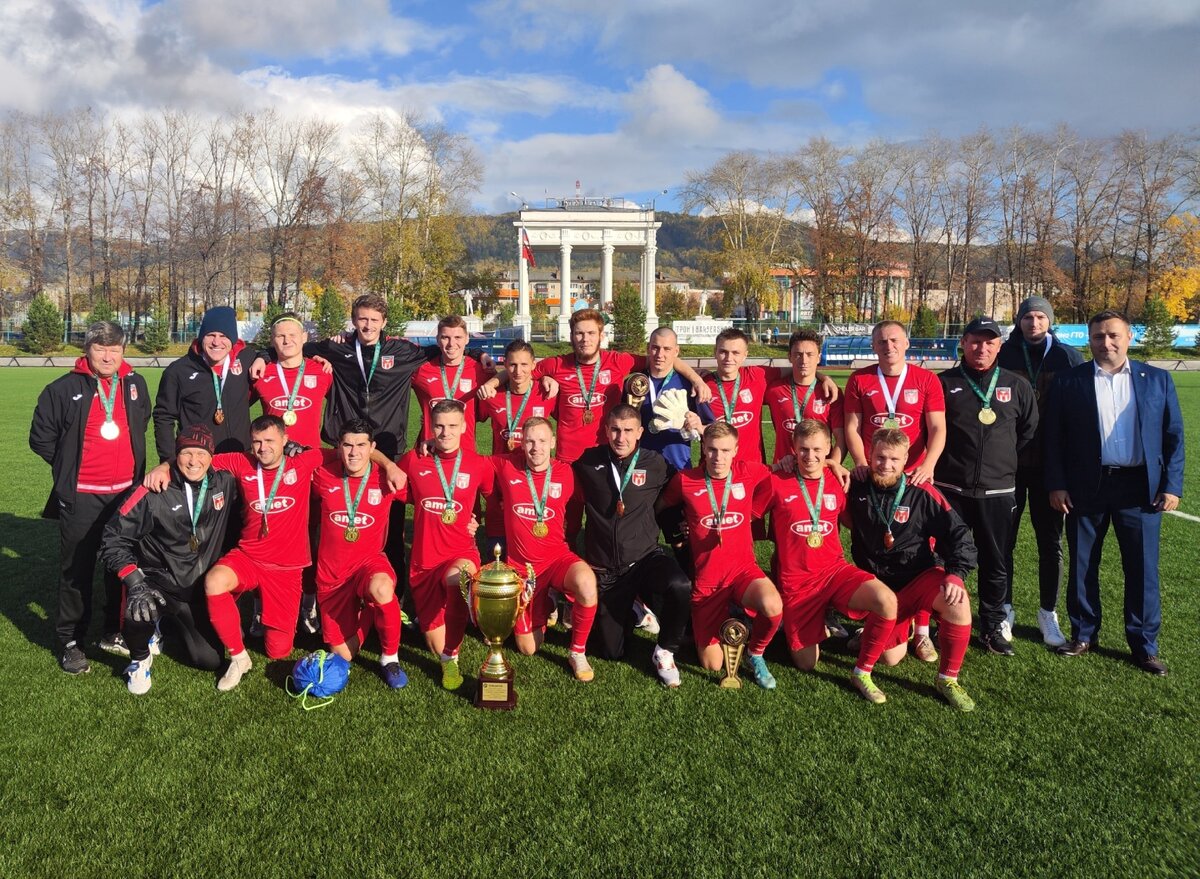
[279, 588]
[804, 606]
[429, 595]
[711, 608]
[551, 576]
[340, 602]
[919, 594]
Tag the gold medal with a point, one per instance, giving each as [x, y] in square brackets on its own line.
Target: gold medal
[888, 540]
[588, 417]
[110, 430]
[289, 418]
[351, 534]
[891, 423]
[513, 443]
[987, 416]
[540, 529]
[449, 517]
[815, 539]
[219, 416]
[194, 543]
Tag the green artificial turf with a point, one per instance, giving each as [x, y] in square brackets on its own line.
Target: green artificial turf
[1068, 767]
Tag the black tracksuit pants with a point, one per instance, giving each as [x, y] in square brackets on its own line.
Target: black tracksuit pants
[661, 585]
[80, 530]
[992, 522]
[1047, 525]
[186, 617]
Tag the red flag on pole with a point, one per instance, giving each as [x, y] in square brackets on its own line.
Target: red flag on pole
[527, 250]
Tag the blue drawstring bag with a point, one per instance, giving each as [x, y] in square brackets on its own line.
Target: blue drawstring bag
[321, 675]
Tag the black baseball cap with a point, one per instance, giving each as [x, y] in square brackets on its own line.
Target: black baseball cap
[981, 325]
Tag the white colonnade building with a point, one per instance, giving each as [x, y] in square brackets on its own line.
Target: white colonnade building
[587, 224]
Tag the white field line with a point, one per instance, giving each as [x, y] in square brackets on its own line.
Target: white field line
[1187, 516]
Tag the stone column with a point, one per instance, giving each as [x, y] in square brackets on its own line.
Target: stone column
[564, 295]
[648, 288]
[606, 279]
[523, 318]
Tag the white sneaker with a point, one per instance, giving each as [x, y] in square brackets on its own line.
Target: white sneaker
[238, 666]
[309, 620]
[1051, 634]
[1006, 627]
[664, 664]
[155, 643]
[137, 675]
[644, 618]
[580, 666]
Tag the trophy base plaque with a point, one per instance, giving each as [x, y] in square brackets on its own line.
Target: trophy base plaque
[496, 695]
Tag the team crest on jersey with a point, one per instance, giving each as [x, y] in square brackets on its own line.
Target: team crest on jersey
[901, 515]
[638, 477]
[236, 367]
[830, 501]
[465, 385]
[1003, 394]
[910, 396]
[133, 392]
[464, 480]
[604, 378]
[539, 411]
[818, 407]
[555, 489]
[374, 496]
[739, 491]
[745, 396]
[289, 477]
[387, 361]
[310, 382]
[219, 500]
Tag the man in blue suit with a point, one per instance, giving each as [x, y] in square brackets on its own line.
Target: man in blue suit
[1114, 454]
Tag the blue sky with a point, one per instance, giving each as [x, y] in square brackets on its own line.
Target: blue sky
[625, 96]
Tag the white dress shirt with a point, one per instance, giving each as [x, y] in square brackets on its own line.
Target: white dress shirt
[1120, 439]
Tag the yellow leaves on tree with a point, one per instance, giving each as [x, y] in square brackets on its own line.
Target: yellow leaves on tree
[1179, 285]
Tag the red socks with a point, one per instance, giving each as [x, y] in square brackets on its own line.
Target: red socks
[873, 640]
[223, 613]
[762, 631]
[922, 618]
[387, 621]
[581, 626]
[952, 644]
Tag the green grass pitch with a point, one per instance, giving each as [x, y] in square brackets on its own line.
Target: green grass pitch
[1067, 767]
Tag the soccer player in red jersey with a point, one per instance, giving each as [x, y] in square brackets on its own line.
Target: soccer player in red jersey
[798, 395]
[356, 584]
[897, 395]
[910, 538]
[453, 376]
[719, 499]
[294, 387]
[535, 489]
[813, 574]
[443, 488]
[518, 398]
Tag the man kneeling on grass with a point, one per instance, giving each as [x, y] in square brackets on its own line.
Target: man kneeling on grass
[891, 524]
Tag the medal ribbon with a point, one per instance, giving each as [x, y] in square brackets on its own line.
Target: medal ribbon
[199, 503]
[448, 487]
[892, 399]
[800, 407]
[283, 384]
[592, 390]
[887, 516]
[737, 387]
[219, 386]
[814, 507]
[623, 481]
[712, 499]
[985, 398]
[110, 401]
[266, 502]
[662, 384]
[1033, 376]
[352, 506]
[448, 388]
[539, 508]
[513, 423]
[367, 376]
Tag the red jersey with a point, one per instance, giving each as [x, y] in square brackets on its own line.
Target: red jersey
[106, 466]
[308, 405]
[791, 524]
[608, 374]
[780, 402]
[920, 392]
[496, 410]
[286, 543]
[338, 558]
[749, 491]
[520, 510]
[746, 395]
[435, 542]
[434, 381]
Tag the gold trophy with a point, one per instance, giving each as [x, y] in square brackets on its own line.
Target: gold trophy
[637, 386]
[734, 635]
[495, 597]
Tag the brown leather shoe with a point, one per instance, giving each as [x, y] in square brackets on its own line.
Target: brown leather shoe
[1074, 648]
[1151, 664]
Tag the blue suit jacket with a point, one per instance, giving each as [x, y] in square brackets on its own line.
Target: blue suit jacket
[1072, 432]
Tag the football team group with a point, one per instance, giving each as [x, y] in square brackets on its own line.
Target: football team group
[590, 483]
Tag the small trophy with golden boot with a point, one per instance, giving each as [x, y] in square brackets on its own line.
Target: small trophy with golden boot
[734, 635]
